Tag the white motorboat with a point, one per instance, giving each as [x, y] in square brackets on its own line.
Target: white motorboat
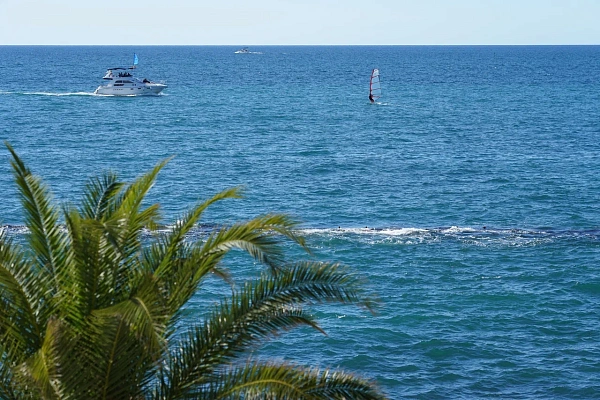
[121, 82]
[245, 50]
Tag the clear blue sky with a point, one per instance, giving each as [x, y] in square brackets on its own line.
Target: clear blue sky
[257, 22]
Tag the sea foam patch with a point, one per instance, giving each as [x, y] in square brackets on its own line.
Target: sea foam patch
[470, 236]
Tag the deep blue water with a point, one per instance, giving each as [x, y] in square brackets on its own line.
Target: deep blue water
[469, 197]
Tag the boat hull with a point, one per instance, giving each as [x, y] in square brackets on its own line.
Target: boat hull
[153, 89]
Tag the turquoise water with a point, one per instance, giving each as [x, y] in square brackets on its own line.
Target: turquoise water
[468, 197]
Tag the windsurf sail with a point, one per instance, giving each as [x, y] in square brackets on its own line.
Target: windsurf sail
[375, 85]
[135, 60]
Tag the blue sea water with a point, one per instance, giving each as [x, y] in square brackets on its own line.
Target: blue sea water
[468, 197]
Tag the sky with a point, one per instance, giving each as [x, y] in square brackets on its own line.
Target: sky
[299, 22]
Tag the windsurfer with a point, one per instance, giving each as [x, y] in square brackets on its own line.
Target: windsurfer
[374, 86]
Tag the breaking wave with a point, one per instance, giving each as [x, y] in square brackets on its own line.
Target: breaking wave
[483, 236]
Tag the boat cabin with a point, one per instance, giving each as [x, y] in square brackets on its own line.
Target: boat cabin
[113, 73]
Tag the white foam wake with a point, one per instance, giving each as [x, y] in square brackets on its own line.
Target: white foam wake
[58, 94]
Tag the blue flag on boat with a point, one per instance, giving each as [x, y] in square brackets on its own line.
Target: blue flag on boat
[135, 59]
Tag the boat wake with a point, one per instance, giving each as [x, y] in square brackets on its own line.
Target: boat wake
[57, 94]
[84, 94]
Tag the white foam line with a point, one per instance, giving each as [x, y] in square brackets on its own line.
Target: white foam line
[51, 93]
[456, 229]
[403, 231]
[62, 94]
[366, 231]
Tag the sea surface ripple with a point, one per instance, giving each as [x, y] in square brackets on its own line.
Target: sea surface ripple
[468, 198]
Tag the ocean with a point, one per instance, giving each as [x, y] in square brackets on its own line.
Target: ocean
[468, 197]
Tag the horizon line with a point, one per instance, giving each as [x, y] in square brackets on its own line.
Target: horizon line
[305, 45]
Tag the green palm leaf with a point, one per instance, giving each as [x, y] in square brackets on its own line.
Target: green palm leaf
[256, 237]
[41, 370]
[182, 267]
[99, 193]
[89, 312]
[19, 299]
[120, 361]
[12, 386]
[123, 248]
[45, 239]
[171, 244]
[276, 381]
[131, 335]
[129, 202]
[259, 310]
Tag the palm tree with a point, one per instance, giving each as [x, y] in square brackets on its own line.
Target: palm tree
[88, 312]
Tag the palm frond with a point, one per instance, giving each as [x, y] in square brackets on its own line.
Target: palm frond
[257, 311]
[143, 314]
[124, 224]
[205, 349]
[98, 194]
[40, 370]
[116, 360]
[11, 386]
[173, 240]
[92, 313]
[46, 239]
[256, 237]
[86, 282]
[64, 357]
[19, 302]
[182, 268]
[316, 282]
[186, 273]
[123, 249]
[277, 381]
[131, 199]
[130, 338]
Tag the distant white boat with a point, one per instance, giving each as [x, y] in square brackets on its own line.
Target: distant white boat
[244, 50]
[121, 82]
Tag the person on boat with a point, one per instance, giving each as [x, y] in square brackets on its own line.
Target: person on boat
[371, 98]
